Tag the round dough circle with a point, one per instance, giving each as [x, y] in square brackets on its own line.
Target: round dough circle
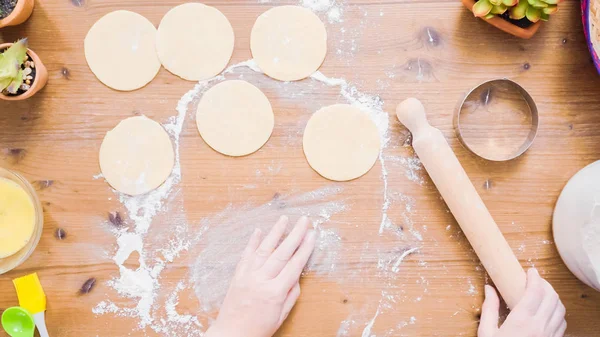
[120, 50]
[289, 43]
[136, 156]
[195, 41]
[576, 225]
[341, 142]
[235, 118]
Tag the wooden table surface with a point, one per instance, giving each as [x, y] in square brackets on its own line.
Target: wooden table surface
[433, 50]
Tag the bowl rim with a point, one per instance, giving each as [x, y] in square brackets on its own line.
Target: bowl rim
[585, 15]
[39, 220]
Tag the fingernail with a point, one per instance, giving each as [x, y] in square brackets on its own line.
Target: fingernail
[283, 218]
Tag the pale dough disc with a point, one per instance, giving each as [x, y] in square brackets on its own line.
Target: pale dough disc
[289, 43]
[235, 118]
[576, 225]
[136, 156]
[120, 50]
[341, 142]
[195, 41]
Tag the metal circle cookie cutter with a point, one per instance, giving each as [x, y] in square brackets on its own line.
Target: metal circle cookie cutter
[488, 86]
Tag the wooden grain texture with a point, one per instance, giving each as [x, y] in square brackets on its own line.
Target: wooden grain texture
[433, 50]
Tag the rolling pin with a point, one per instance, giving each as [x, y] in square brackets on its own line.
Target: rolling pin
[463, 201]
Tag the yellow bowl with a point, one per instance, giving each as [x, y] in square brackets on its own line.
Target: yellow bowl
[19, 257]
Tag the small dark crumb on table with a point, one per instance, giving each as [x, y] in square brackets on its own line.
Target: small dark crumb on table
[87, 286]
[487, 184]
[66, 73]
[60, 234]
[115, 219]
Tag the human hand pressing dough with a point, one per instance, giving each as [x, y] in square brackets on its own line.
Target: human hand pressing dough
[540, 313]
[266, 285]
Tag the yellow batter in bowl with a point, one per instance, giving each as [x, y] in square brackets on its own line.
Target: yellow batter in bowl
[17, 218]
[21, 220]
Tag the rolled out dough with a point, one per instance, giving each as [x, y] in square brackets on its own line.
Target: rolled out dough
[235, 118]
[341, 142]
[136, 156]
[120, 50]
[195, 41]
[289, 43]
[576, 225]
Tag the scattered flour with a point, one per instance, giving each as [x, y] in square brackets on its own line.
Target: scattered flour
[472, 290]
[332, 8]
[142, 284]
[367, 330]
[216, 262]
[318, 5]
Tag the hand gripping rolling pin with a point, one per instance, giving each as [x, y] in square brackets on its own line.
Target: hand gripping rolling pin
[465, 204]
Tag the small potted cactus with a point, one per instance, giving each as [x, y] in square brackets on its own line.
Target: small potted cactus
[22, 73]
[14, 12]
[521, 18]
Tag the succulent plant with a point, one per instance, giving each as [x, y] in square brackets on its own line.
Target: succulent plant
[533, 10]
[11, 60]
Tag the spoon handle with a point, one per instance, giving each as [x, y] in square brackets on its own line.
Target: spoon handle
[40, 323]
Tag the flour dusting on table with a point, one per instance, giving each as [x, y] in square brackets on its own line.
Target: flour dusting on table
[229, 231]
[142, 284]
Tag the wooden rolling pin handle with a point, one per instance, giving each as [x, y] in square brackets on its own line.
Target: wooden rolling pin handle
[464, 202]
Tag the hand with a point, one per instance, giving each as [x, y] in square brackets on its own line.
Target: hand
[266, 285]
[540, 313]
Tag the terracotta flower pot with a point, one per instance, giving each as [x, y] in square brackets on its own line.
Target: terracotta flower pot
[19, 15]
[500, 23]
[41, 76]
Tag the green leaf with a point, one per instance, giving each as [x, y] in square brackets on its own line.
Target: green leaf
[550, 9]
[11, 60]
[17, 52]
[489, 16]
[551, 2]
[13, 87]
[498, 9]
[496, 2]
[533, 14]
[544, 16]
[9, 70]
[482, 8]
[518, 12]
[540, 4]
[4, 83]
[510, 3]
[531, 2]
